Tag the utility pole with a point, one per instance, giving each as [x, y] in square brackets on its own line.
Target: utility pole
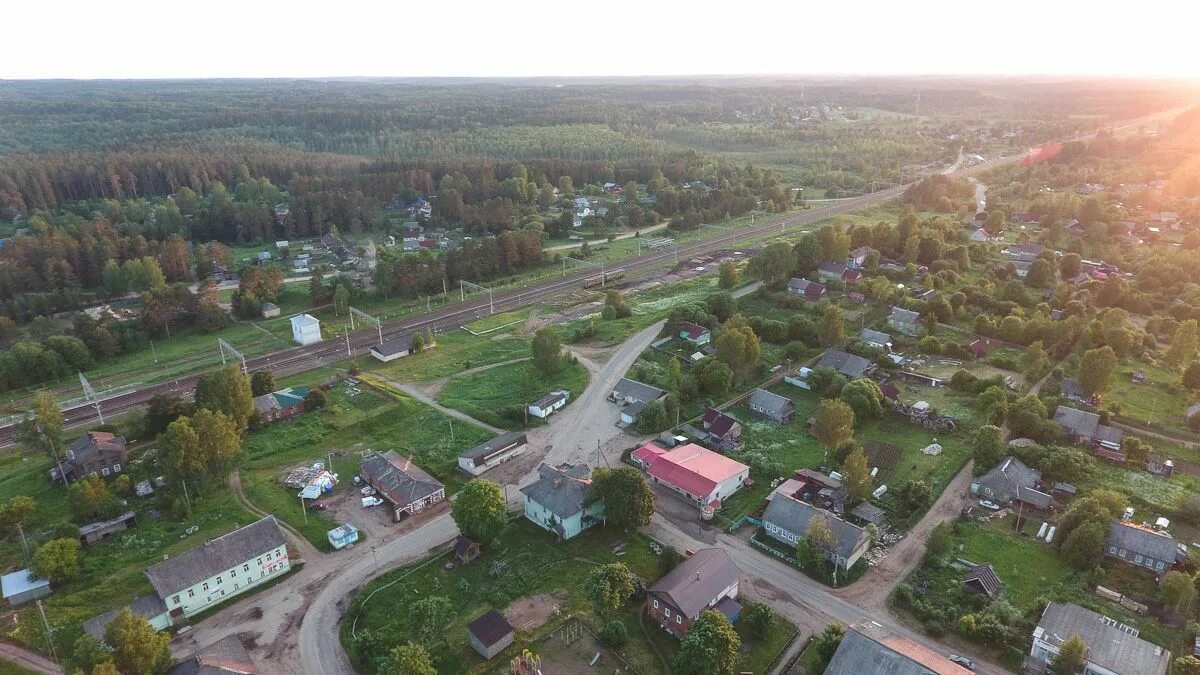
[46, 625]
[303, 508]
[24, 544]
[451, 421]
[187, 500]
[54, 451]
[153, 353]
[348, 344]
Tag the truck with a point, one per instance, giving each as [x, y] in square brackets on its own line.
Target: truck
[368, 502]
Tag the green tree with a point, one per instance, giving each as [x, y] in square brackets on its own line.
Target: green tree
[761, 619]
[737, 346]
[608, 587]
[628, 500]
[226, 390]
[729, 275]
[57, 560]
[1177, 590]
[857, 475]
[408, 659]
[138, 649]
[1033, 361]
[820, 535]
[710, 646]
[15, 510]
[614, 633]
[262, 382]
[315, 399]
[832, 327]
[808, 254]
[988, 448]
[480, 510]
[826, 644]
[939, 540]
[547, 351]
[1096, 370]
[1071, 656]
[1027, 416]
[219, 441]
[1182, 351]
[42, 430]
[722, 305]
[341, 300]
[834, 425]
[864, 397]
[1186, 665]
[1084, 546]
[427, 618]
[713, 376]
[179, 450]
[773, 265]
[654, 418]
[1070, 265]
[89, 497]
[1191, 376]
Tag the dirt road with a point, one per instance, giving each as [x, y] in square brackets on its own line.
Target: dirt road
[28, 659]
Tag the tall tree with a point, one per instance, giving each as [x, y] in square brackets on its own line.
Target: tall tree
[428, 616]
[408, 659]
[480, 510]
[1071, 656]
[710, 646]
[988, 448]
[547, 351]
[1033, 361]
[857, 474]
[608, 587]
[773, 265]
[737, 346]
[834, 425]
[832, 328]
[138, 649]
[57, 560]
[729, 275]
[42, 430]
[226, 390]
[1177, 591]
[628, 500]
[262, 382]
[1096, 370]
[1182, 351]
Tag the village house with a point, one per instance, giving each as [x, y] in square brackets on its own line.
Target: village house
[809, 485]
[561, 500]
[1154, 550]
[831, 271]
[876, 339]
[694, 334]
[492, 453]
[809, 289]
[702, 476]
[98, 452]
[1085, 427]
[549, 404]
[629, 391]
[1112, 647]
[149, 607]
[403, 484]
[867, 649]
[1009, 482]
[280, 405]
[1071, 390]
[269, 310]
[397, 348]
[227, 655]
[22, 586]
[1026, 252]
[786, 519]
[981, 235]
[724, 432]
[858, 257]
[850, 365]
[709, 579]
[906, 321]
[778, 409]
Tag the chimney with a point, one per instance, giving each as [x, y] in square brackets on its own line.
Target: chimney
[697, 575]
[557, 483]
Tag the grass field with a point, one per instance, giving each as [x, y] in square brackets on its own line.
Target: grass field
[523, 562]
[1151, 401]
[498, 396]
[456, 351]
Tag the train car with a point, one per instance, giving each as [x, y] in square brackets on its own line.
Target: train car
[600, 280]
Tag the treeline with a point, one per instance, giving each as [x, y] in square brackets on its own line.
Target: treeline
[410, 275]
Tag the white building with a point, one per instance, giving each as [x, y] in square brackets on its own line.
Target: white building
[492, 453]
[306, 329]
[549, 404]
[1113, 648]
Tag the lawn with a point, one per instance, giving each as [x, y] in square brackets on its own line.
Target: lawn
[523, 562]
[648, 305]
[498, 396]
[1160, 400]
[456, 351]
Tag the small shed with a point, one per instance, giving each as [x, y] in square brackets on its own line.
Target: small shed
[982, 579]
[342, 536]
[465, 550]
[269, 310]
[869, 513]
[97, 532]
[21, 587]
[306, 329]
[490, 634]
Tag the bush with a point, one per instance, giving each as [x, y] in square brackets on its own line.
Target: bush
[614, 634]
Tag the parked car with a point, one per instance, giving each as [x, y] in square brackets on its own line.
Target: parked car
[318, 506]
[368, 502]
[989, 505]
[367, 491]
[962, 661]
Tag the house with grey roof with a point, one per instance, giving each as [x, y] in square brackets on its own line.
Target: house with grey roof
[406, 487]
[809, 289]
[561, 500]
[786, 519]
[906, 321]
[708, 579]
[1010, 481]
[830, 271]
[1151, 549]
[876, 339]
[149, 607]
[492, 453]
[629, 391]
[1071, 390]
[1112, 647]
[1025, 252]
[227, 655]
[549, 404]
[850, 365]
[1084, 427]
[778, 409]
[868, 649]
[982, 579]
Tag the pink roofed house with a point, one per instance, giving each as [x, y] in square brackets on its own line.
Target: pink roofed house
[699, 474]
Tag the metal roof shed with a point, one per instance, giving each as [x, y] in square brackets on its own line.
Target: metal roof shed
[21, 586]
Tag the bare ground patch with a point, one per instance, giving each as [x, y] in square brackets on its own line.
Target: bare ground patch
[525, 614]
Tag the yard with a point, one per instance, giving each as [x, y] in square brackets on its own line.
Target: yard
[1159, 400]
[525, 564]
[498, 396]
[455, 352]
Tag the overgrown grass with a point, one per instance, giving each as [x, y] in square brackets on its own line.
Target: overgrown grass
[498, 396]
[456, 351]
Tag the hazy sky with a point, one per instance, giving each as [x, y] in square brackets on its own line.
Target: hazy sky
[404, 38]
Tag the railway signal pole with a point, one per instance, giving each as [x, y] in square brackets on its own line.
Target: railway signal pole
[369, 319]
[226, 347]
[90, 394]
[462, 292]
[587, 262]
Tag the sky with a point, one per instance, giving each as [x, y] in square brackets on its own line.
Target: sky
[521, 38]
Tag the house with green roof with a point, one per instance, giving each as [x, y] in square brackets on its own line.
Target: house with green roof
[280, 405]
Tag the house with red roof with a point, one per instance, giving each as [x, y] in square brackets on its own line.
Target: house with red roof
[702, 476]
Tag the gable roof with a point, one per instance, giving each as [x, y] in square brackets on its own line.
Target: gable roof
[794, 516]
[1079, 422]
[561, 490]
[1007, 478]
[694, 469]
[94, 442]
[860, 654]
[145, 606]
[627, 388]
[1071, 389]
[1110, 645]
[835, 268]
[696, 582]
[904, 315]
[774, 404]
[860, 252]
[213, 557]
[717, 423]
[399, 345]
[985, 577]
[490, 628]
[875, 337]
[401, 481]
[845, 363]
[501, 443]
[224, 656]
[550, 399]
[1146, 542]
[693, 331]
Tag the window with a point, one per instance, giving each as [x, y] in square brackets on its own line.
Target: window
[667, 612]
[260, 562]
[191, 593]
[679, 618]
[116, 468]
[262, 574]
[233, 573]
[175, 600]
[1122, 553]
[1138, 559]
[104, 471]
[1112, 550]
[246, 567]
[656, 604]
[268, 557]
[218, 581]
[206, 585]
[1159, 566]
